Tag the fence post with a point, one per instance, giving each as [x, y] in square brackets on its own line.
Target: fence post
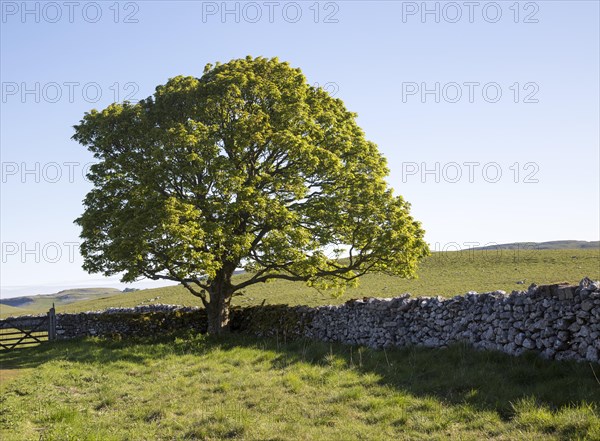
[52, 323]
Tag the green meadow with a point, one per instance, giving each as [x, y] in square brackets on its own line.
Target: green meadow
[237, 387]
[193, 387]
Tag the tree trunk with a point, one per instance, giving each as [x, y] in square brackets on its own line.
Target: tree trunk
[217, 309]
[217, 312]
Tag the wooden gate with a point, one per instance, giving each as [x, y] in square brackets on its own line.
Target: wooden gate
[18, 332]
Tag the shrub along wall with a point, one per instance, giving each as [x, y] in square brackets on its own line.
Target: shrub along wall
[558, 321]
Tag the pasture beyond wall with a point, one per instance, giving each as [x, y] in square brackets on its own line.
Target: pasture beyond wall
[558, 321]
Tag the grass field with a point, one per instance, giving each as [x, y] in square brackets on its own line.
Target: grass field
[236, 387]
[445, 274]
[6, 311]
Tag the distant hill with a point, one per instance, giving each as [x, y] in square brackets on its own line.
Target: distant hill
[552, 245]
[6, 310]
[45, 301]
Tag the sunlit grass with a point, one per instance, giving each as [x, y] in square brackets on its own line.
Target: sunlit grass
[445, 274]
[237, 387]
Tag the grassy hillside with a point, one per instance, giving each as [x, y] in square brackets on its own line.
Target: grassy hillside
[552, 245]
[235, 387]
[41, 303]
[6, 310]
[445, 274]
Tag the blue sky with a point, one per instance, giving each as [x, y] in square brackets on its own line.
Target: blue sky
[488, 117]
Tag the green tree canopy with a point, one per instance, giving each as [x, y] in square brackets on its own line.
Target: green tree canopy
[248, 167]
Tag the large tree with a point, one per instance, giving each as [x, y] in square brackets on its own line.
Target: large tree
[248, 167]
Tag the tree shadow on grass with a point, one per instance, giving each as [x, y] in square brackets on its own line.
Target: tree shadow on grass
[82, 350]
[458, 375]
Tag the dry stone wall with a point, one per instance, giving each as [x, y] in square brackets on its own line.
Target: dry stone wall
[557, 321]
[140, 321]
